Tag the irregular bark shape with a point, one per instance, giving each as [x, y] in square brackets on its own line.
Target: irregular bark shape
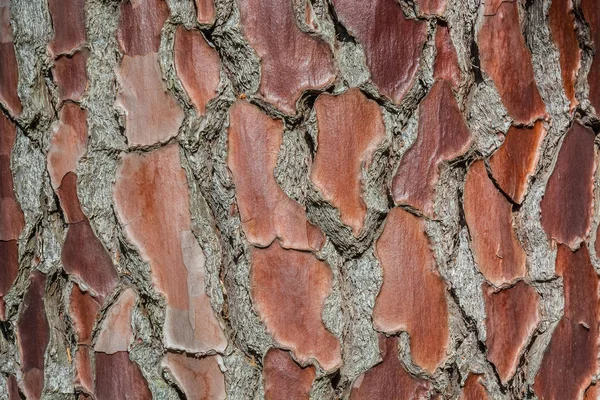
[496, 249]
[412, 296]
[291, 60]
[442, 136]
[12, 388]
[83, 310]
[265, 210]
[592, 392]
[515, 161]
[392, 43]
[446, 61]
[573, 348]
[591, 13]
[116, 333]
[206, 11]
[432, 7]
[117, 375]
[289, 289]
[567, 204]
[33, 334]
[200, 379]
[68, 143]
[151, 113]
[84, 377]
[68, 21]
[71, 76]
[9, 267]
[350, 129]
[11, 216]
[506, 59]
[512, 316]
[9, 78]
[389, 380]
[84, 256]
[284, 379]
[156, 218]
[561, 20]
[198, 66]
[473, 389]
[69, 202]
[140, 25]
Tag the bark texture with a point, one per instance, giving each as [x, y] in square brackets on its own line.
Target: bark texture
[299, 199]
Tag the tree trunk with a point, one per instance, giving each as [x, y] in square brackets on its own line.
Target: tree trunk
[299, 199]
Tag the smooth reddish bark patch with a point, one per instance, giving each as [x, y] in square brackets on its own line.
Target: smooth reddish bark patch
[206, 11]
[83, 310]
[573, 348]
[512, 316]
[11, 216]
[84, 256]
[562, 26]
[70, 75]
[117, 375]
[591, 13]
[116, 333]
[198, 66]
[474, 389]
[68, 21]
[84, 377]
[496, 249]
[567, 203]
[200, 378]
[442, 136]
[432, 7]
[350, 129]
[9, 267]
[151, 113]
[446, 61]
[68, 143]
[592, 392]
[69, 202]
[291, 60]
[265, 210]
[140, 25]
[12, 388]
[289, 289]
[412, 296]
[156, 218]
[33, 335]
[515, 161]
[8, 64]
[389, 380]
[284, 379]
[392, 43]
[505, 58]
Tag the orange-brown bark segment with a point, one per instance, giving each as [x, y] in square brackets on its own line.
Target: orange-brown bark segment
[266, 211]
[412, 296]
[567, 203]
[511, 318]
[562, 26]
[117, 375]
[446, 61]
[496, 249]
[389, 380]
[442, 136]
[350, 129]
[199, 378]
[156, 219]
[284, 379]
[515, 161]
[69, 202]
[116, 333]
[505, 58]
[473, 389]
[291, 60]
[392, 43]
[591, 13]
[206, 11]
[432, 7]
[140, 24]
[289, 289]
[197, 65]
[33, 334]
[9, 267]
[71, 76]
[11, 216]
[573, 348]
[68, 21]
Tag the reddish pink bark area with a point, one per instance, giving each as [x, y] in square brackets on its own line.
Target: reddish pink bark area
[117, 375]
[473, 389]
[266, 211]
[432, 7]
[70, 75]
[156, 218]
[567, 203]
[9, 267]
[573, 348]
[412, 296]
[199, 378]
[68, 21]
[291, 60]
[350, 129]
[206, 11]
[512, 316]
[11, 216]
[284, 379]
[446, 61]
[392, 43]
[140, 25]
[389, 380]
[505, 58]
[197, 65]
[442, 136]
[116, 333]
[9, 77]
[591, 13]
[496, 249]
[289, 289]
[515, 161]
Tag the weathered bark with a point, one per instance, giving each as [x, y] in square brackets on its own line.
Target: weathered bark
[304, 199]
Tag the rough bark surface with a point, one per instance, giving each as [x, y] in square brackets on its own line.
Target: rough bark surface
[299, 199]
